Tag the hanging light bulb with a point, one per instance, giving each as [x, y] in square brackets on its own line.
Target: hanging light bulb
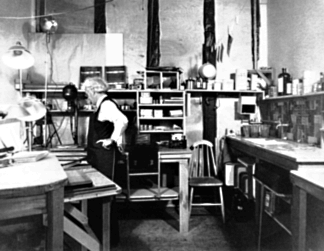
[49, 25]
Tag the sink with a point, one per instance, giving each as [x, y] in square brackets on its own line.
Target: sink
[265, 141]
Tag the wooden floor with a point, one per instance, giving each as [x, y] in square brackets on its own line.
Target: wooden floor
[151, 226]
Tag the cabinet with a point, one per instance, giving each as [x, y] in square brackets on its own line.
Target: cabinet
[161, 112]
[162, 79]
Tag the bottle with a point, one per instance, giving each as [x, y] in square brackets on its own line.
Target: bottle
[273, 91]
[321, 85]
[284, 80]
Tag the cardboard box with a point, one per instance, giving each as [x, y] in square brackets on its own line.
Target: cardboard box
[241, 80]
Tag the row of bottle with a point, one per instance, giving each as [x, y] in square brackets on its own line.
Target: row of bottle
[288, 86]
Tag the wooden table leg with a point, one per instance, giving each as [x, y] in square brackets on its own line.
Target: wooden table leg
[183, 197]
[84, 210]
[298, 219]
[55, 209]
[106, 210]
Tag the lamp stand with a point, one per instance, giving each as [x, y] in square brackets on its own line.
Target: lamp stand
[20, 82]
[30, 136]
[45, 102]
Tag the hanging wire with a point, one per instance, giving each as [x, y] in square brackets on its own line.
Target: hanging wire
[57, 13]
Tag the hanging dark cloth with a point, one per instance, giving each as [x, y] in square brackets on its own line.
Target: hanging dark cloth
[153, 34]
[100, 16]
[209, 52]
[209, 55]
[256, 24]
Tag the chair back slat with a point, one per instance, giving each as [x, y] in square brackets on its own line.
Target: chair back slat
[208, 156]
[202, 162]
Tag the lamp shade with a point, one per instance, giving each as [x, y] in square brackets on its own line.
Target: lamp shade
[28, 109]
[18, 57]
[70, 92]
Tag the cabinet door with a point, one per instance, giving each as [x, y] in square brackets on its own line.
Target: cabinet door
[161, 80]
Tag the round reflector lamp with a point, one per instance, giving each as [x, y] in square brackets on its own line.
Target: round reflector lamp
[207, 71]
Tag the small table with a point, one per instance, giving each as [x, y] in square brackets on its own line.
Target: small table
[102, 187]
[305, 182]
[182, 157]
[35, 188]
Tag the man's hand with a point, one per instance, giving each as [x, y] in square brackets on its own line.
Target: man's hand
[105, 142]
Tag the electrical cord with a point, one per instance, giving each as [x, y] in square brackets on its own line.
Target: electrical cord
[58, 13]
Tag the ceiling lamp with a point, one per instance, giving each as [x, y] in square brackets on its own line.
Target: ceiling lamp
[18, 57]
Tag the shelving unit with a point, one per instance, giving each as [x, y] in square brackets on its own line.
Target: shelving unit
[161, 112]
[303, 115]
[166, 108]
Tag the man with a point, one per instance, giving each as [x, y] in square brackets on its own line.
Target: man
[106, 127]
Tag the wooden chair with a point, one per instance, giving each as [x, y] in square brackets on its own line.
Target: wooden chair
[203, 173]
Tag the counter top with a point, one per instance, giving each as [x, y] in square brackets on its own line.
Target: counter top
[287, 154]
[309, 178]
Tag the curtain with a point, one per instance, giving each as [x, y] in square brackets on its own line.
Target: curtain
[256, 24]
[153, 34]
[100, 16]
[209, 52]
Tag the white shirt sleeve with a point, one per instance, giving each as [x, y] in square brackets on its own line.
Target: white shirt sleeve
[110, 112]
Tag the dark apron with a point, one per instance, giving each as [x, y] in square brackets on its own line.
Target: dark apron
[101, 158]
[104, 161]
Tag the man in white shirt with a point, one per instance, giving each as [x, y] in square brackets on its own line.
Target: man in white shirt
[106, 127]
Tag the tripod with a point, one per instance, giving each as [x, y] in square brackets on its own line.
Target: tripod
[49, 122]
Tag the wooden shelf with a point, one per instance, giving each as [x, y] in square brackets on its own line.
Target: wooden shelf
[161, 118]
[161, 131]
[307, 95]
[143, 194]
[160, 105]
[224, 94]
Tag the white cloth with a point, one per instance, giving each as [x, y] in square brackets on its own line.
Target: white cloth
[110, 112]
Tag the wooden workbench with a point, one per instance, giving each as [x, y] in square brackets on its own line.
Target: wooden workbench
[101, 187]
[290, 157]
[305, 183]
[33, 188]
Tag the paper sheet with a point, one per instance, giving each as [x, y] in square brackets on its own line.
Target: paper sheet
[60, 56]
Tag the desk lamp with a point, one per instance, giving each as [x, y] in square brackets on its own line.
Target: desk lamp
[18, 57]
[70, 94]
[49, 26]
[28, 109]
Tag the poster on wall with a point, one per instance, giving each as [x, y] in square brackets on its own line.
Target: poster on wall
[60, 56]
